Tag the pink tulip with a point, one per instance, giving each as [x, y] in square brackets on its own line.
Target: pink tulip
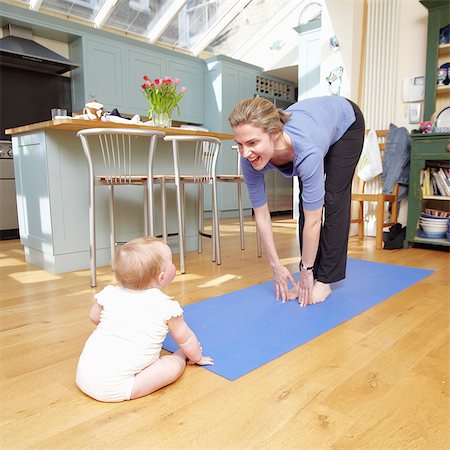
[176, 81]
[183, 89]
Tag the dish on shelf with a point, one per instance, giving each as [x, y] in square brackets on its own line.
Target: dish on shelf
[431, 219]
[430, 235]
[435, 213]
[443, 118]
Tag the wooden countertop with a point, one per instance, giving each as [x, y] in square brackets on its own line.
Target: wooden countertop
[80, 124]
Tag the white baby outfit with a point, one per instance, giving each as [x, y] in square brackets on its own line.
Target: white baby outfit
[129, 337]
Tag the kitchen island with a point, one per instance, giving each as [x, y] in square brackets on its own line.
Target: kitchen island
[53, 202]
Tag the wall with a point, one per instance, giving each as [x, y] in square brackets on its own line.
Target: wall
[343, 19]
[412, 48]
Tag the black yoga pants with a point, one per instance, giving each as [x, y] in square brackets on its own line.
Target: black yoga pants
[340, 163]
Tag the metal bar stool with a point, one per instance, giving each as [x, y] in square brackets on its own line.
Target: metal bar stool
[202, 173]
[113, 150]
[238, 178]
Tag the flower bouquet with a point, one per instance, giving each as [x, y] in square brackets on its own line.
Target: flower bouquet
[163, 97]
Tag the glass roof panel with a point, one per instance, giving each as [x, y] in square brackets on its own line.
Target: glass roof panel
[193, 21]
[137, 16]
[86, 9]
[251, 19]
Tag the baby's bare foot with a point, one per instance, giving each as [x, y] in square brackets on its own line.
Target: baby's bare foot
[320, 292]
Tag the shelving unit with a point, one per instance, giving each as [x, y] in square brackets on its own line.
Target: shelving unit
[426, 150]
[436, 97]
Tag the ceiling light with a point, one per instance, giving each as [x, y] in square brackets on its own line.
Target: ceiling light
[104, 12]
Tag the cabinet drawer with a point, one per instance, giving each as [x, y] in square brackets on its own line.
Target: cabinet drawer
[426, 147]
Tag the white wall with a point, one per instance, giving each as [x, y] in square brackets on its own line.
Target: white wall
[343, 19]
[412, 48]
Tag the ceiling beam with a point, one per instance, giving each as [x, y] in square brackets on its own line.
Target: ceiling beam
[256, 38]
[104, 12]
[221, 23]
[35, 4]
[164, 20]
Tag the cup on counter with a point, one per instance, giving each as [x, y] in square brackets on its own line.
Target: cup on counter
[58, 112]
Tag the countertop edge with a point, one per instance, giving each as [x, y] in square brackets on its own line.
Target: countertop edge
[80, 124]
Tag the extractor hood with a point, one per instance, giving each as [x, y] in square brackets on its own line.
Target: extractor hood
[17, 49]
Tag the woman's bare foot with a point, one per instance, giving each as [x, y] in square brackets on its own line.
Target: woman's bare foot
[320, 292]
[293, 293]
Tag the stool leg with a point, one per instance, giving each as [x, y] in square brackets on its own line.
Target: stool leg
[164, 208]
[146, 226]
[92, 243]
[112, 235]
[241, 215]
[181, 225]
[216, 229]
[201, 222]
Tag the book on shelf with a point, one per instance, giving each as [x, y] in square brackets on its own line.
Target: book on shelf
[435, 182]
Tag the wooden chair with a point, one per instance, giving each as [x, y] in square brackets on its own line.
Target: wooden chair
[359, 195]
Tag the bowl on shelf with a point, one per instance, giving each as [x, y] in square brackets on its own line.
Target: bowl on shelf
[434, 231]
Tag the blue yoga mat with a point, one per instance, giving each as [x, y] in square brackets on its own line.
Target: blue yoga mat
[245, 329]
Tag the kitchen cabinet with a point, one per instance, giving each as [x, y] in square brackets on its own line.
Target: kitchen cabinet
[142, 63]
[191, 75]
[436, 97]
[426, 151]
[101, 76]
[228, 81]
[111, 72]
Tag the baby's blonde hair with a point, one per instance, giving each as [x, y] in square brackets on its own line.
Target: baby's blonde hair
[260, 113]
[139, 262]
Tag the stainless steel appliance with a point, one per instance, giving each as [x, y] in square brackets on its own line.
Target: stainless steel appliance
[9, 227]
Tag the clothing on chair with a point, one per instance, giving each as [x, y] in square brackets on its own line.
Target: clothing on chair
[396, 161]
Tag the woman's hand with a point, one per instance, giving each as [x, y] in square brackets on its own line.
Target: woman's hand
[305, 287]
[281, 276]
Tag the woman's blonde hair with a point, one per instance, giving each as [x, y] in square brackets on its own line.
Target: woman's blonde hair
[260, 113]
[139, 262]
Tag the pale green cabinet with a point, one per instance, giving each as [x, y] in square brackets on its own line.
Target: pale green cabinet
[191, 75]
[142, 63]
[105, 66]
[111, 72]
[102, 75]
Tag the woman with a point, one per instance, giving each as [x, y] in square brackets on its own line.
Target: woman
[319, 140]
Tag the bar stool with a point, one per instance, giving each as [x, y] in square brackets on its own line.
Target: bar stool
[238, 178]
[202, 173]
[114, 150]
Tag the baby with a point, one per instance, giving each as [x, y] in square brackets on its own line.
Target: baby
[121, 359]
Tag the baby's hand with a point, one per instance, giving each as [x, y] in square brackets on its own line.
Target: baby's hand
[205, 361]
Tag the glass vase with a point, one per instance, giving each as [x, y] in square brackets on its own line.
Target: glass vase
[161, 119]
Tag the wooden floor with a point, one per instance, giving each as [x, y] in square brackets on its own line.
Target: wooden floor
[378, 381]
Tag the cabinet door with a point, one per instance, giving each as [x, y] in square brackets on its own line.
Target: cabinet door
[191, 76]
[103, 73]
[140, 64]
